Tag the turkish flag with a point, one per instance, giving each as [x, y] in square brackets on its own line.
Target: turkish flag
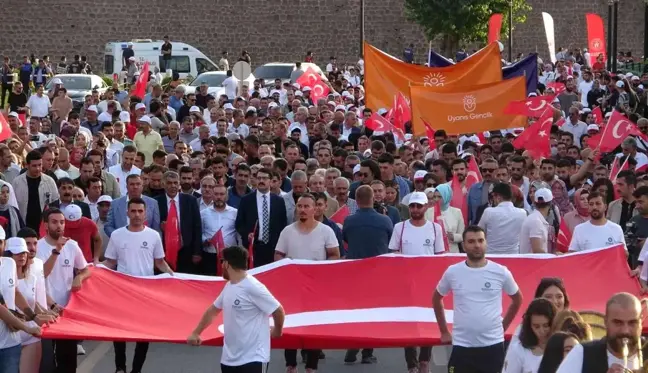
[402, 112]
[378, 123]
[494, 27]
[558, 88]
[535, 138]
[219, 244]
[5, 130]
[319, 90]
[616, 130]
[114, 306]
[309, 78]
[142, 81]
[561, 122]
[429, 132]
[564, 237]
[598, 115]
[614, 173]
[339, 216]
[473, 176]
[530, 107]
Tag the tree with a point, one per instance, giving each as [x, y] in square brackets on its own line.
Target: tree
[461, 21]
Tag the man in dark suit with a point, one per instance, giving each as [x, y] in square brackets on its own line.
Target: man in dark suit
[261, 217]
[190, 225]
[65, 186]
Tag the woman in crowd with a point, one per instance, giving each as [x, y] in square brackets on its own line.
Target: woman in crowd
[557, 348]
[525, 356]
[452, 218]
[581, 213]
[11, 214]
[392, 198]
[553, 290]
[572, 322]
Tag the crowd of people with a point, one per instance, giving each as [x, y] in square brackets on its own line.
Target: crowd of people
[188, 182]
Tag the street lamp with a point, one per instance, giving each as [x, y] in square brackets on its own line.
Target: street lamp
[610, 36]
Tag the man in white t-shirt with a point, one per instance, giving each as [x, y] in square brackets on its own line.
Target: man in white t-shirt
[246, 304]
[62, 257]
[127, 167]
[598, 232]
[585, 86]
[308, 239]
[477, 324]
[417, 236]
[231, 85]
[503, 222]
[134, 250]
[623, 320]
[39, 104]
[535, 228]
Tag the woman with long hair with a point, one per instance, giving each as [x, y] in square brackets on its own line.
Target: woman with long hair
[525, 355]
[9, 213]
[558, 346]
[553, 290]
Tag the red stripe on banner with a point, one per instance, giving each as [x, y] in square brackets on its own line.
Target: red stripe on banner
[494, 27]
[394, 310]
[595, 37]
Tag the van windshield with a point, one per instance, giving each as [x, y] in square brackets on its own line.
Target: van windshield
[273, 72]
[212, 80]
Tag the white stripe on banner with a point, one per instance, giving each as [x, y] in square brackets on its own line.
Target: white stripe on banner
[363, 315]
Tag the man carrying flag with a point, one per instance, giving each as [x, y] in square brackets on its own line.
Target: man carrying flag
[218, 230]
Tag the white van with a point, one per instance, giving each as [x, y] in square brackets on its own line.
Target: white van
[185, 59]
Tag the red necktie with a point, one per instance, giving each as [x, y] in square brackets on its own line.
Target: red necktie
[172, 236]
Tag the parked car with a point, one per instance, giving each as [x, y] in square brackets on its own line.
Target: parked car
[279, 70]
[78, 86]
[214, 80]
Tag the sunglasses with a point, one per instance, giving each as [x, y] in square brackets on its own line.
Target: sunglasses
[488, 170]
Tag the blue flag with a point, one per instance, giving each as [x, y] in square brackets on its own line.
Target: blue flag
[527, 67]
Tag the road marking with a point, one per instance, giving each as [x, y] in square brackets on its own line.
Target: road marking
[88, 364]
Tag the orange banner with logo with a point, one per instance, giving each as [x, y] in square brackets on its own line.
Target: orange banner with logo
[466, 109]
[385, 75]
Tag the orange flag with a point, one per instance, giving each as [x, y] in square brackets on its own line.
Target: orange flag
[466, 109]
[386, 76]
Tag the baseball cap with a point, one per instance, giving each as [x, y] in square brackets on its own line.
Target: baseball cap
[131, 58]
[145, 119]
[593, 127]
[272, 105]
[104, 117]
[544, 194]
[340, 107]
[92, 108]
[356, 169]
[299, 94]
[194, 109]
[420, 175]
[140, 106]
[56, 81]
[124, 116]
[72, 213]
[306, 89]
[105, 198]
[251, 108]
[228, 106]
[13, 114]
[620, 84]
[16, 245]
[296, 85]
[418, 197]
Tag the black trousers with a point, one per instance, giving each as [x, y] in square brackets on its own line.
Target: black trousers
[65, 351]
[209, 264]
[312, 358]
[489, 359]
[47, 360]
[141, 348]
[6, 88]
[255, 367]
[425, 354]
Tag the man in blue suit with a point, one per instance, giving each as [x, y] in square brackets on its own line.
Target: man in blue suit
[117, 217]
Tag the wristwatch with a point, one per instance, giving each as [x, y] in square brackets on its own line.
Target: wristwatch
[55, 252]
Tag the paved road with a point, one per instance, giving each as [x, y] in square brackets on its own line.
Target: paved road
[171, 358]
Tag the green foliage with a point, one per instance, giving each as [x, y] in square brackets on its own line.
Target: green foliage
[462, 21]
[108, 80]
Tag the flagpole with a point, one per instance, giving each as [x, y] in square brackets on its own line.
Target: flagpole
[362, 27]
[430, 52]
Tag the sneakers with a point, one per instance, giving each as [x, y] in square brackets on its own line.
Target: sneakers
[424, 367]
[291, 370]
[80, 350]
[369, 360]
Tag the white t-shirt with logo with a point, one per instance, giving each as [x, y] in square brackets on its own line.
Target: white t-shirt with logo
[411, 240]
[59, 281]
[521, 360]
[477, 299]
[135, 252]
[588, 236]
[8, 283]
[534, 226]
[28, 288]
[246, 307]
[573, 362]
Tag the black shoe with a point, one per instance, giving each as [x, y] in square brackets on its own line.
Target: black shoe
[321, 355]
[369, 360]
[303, 356]
[350, 358]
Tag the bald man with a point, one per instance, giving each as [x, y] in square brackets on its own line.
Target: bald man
[622, 321]
[65, 165]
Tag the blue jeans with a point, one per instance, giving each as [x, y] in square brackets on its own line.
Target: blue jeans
[10, 359]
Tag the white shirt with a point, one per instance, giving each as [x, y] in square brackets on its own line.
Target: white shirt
[304, 132]
[246, 307]
[214, 220]
[94, 210]
[313, 245]
[231, 85]
[202, 205]
[578, 130]
[259, 198]
[411, 240]
[573, 362]
[534, 226]
[521, 360]
[503, 224]
[196, 145]
[588, 236]
[39, 106]
[135, 252]
[59, 281]
[243, 130]
[477, 299]
[28, 288]
[120, 175]
[116, 146]
[8, 282]
[584, 88]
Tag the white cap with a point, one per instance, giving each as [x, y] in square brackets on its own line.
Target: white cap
[634, 77]
[72, 213]
[13, 114]
[418, 197]
[347, 94]
[299, 94]
[296, 85]
[340, 107]
[140, 106]
[608, 114]
[544, 194]
[3, 235]
[105, 117]
[272, 105]
[275, 91]
[56, 81]
[145, 119]
[306, 89]
[420, 175]
[105, 198]
[131, 59]
[356, 169]
[593, 127]
[251, 108]
[620, 84]
[92, 108]
[228, 106]
[194, 109]
[629, 75]
[124, 116]
[16, 245]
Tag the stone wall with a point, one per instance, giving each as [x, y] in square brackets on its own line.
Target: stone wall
[281, 30]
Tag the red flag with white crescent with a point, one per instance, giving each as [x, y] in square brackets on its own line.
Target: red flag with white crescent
[530, 107]
[474, 175]
[598, 115]
[557, 87]
[616, 130]
[339, 216]
[142, 81]
[536, 138]
[309, 78]
[378, 123]
[564, 237]
[402, 112]
[319, 90]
